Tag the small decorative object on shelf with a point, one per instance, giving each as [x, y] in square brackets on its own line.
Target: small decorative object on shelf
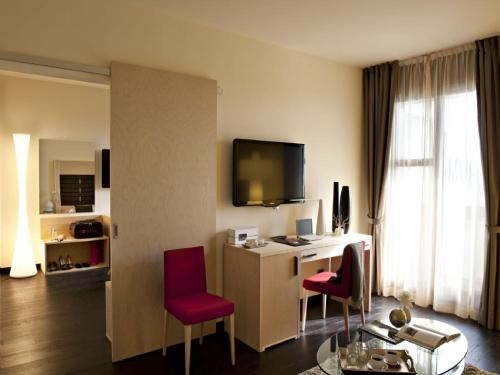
[340, 224]
[56, 201]
[96, 255]
[48, 207]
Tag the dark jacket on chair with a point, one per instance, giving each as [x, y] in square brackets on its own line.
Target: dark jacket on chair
[355, 251]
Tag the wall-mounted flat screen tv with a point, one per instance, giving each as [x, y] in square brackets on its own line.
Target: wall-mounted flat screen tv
[267, 173]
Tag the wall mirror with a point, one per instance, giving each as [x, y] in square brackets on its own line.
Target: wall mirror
[67, 176]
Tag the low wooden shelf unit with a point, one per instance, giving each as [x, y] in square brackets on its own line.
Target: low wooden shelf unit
[77, 248]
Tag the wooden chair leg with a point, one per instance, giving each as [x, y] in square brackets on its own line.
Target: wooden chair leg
[201, 334]
[304, 309]
[345, 307]
[324, 305]
[187, 348]
[231, 338]
[165, 327]
[362, 309]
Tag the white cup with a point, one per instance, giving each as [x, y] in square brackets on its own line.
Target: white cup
[377, 362]
[392, 358]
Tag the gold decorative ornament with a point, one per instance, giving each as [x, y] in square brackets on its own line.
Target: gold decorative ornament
[397, 318]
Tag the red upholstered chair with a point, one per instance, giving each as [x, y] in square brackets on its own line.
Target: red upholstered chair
[340, 291]
[186, 296]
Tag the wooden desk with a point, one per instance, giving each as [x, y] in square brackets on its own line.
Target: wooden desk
[265, 284]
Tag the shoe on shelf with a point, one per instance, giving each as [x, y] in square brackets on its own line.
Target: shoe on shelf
[62, 263]
[51, 267]
[69, 263]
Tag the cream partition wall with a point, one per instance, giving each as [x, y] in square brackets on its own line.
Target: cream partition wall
[163, 178]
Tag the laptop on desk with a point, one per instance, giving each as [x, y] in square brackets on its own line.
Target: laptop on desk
[304, 230]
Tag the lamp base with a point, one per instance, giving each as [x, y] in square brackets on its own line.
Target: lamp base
[22, 274]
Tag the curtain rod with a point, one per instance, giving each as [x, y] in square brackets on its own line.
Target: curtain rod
[438, 54]
[13, 62]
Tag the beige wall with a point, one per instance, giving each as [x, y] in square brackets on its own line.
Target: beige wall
[47, 110]
[269, 93]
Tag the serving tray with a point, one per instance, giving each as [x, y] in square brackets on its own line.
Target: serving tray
[407, 366]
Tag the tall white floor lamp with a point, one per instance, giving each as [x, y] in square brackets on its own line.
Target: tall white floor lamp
[23, 262]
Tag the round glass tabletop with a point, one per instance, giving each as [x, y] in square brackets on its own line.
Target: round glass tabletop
[443, 359]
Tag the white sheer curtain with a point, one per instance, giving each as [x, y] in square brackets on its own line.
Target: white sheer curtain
[434, 220]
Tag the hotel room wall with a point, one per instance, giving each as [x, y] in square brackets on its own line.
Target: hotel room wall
[268, 93]
[46, 110]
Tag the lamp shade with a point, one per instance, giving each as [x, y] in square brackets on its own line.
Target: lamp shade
[23, 262]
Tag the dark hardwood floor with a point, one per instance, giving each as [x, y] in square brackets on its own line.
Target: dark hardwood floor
[56, 326]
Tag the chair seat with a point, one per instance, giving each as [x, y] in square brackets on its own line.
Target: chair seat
[319, 283]
[199, 307]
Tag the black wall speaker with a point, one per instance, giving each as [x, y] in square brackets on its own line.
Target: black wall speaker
[105, 168]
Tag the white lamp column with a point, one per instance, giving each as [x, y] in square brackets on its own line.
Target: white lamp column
[23, 263]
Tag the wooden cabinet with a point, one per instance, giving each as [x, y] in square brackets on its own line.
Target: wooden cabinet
[265, 290]
[77, 248]
[280, 298]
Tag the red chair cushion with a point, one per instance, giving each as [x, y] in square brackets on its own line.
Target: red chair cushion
[319, 283]
[199, 307]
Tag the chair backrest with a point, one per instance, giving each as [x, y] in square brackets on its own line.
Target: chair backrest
[184, 272]
[348, 273]
[345, 283]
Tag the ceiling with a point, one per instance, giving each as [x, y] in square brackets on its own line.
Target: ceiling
[354, 32]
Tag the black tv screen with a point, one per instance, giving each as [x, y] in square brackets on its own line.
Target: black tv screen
[267, 173]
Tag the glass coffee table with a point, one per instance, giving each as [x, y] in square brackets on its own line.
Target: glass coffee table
[447, 359]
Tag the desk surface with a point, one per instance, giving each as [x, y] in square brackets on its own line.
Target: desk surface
[274, 248]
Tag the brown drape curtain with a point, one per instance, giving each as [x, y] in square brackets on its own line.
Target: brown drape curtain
[488, 103]
[379, 85]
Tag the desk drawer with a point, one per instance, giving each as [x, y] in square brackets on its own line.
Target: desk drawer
[321, 253]
[312, 255]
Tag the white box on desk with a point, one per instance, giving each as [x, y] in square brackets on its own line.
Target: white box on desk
[238, 236]
[236, 241]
